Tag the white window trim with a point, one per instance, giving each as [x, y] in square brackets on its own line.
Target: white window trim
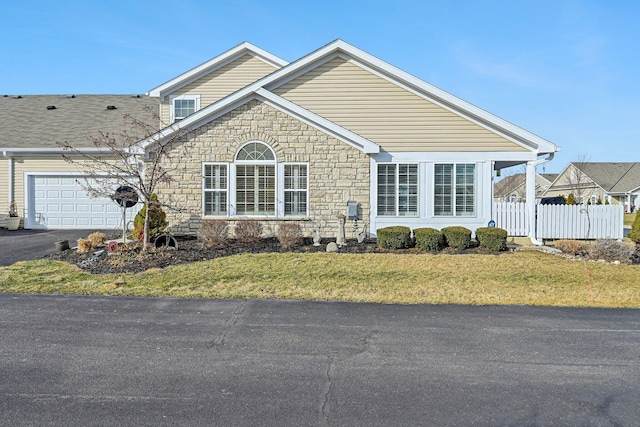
[172, 98]
[419, 195]
[204, 165]
[453, 185]
[280, 190]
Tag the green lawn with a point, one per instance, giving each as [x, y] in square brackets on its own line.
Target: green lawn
[522, 278]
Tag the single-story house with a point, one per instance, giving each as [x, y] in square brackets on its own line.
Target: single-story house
[336, 132]
[612, 182]
[512, 188]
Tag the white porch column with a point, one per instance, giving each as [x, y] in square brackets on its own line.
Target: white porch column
[530, 184]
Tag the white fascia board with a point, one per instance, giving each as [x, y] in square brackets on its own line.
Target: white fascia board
[453, 156]
[31, 152]
[214, 64]
[195, 120]
[446, 100]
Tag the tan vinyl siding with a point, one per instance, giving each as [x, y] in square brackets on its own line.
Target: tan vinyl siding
[385, 113]
[222, 82]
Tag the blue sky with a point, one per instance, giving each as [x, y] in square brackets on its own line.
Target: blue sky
[565, 70]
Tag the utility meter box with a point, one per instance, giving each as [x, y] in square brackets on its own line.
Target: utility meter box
[352, 208]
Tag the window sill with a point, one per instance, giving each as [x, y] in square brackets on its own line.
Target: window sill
[260, 218]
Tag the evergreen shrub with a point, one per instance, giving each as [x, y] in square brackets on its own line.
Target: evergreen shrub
[492, 238]
[395, 237]
[429, 239]
[457, 237]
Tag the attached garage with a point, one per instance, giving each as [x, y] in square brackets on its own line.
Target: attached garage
[59, 201]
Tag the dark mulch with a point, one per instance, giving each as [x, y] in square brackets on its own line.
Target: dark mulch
[130, 260]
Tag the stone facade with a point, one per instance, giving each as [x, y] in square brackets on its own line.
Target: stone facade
[337, 172]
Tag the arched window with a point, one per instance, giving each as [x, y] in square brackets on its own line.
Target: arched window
[255, 180]
[255, 184]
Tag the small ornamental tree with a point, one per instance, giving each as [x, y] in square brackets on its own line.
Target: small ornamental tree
[130, 157]
[571, 200]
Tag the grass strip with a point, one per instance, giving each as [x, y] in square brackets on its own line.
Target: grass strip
[520, 278]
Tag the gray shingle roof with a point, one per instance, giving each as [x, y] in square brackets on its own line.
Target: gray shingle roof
[31, 122]
[506, 185]
[613, 177]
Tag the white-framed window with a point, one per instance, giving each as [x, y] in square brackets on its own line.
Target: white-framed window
[183, 105]
[215, 181]
[296, 188]
[397, 189]
[454, 189]
[255, 184]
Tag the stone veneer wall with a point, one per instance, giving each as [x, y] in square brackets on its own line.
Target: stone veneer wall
[337, 172]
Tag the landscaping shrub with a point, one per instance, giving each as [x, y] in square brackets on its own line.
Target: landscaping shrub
[248, 231]
[97, 239]
[84, 245]
[214, 232]
[457, 237]
[610, 250]
[290, 235]
[634, 234]
[572, 247]
[492, 238]
[157, 220]
[428, 239]
[396, 237]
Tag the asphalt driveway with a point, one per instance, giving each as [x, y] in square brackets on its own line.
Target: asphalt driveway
[21, 245]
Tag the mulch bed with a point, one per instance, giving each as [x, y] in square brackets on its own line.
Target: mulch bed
[130, 259]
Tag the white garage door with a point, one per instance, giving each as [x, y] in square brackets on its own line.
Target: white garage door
[59, 201]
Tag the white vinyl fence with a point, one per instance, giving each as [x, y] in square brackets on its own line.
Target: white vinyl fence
[512, 216]
[562, 221]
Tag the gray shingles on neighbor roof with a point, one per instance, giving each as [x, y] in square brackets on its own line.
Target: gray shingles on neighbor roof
[30, 122]
[613, 177]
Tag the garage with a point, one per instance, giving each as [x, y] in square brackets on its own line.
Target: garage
[60, 201]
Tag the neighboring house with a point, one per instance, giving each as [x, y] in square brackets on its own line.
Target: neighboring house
[298, 142]
[617, 183]
[512, 188]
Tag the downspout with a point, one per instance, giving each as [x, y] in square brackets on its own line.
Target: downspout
[531, 196]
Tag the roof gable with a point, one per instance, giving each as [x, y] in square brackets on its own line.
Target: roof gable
[215, 64]
[419, 87]
[339, 49]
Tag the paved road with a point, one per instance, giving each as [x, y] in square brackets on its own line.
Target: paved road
[79, 361]
[20, 245]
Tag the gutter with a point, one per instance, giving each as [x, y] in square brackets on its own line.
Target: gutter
[532, 228]
[32, 152]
